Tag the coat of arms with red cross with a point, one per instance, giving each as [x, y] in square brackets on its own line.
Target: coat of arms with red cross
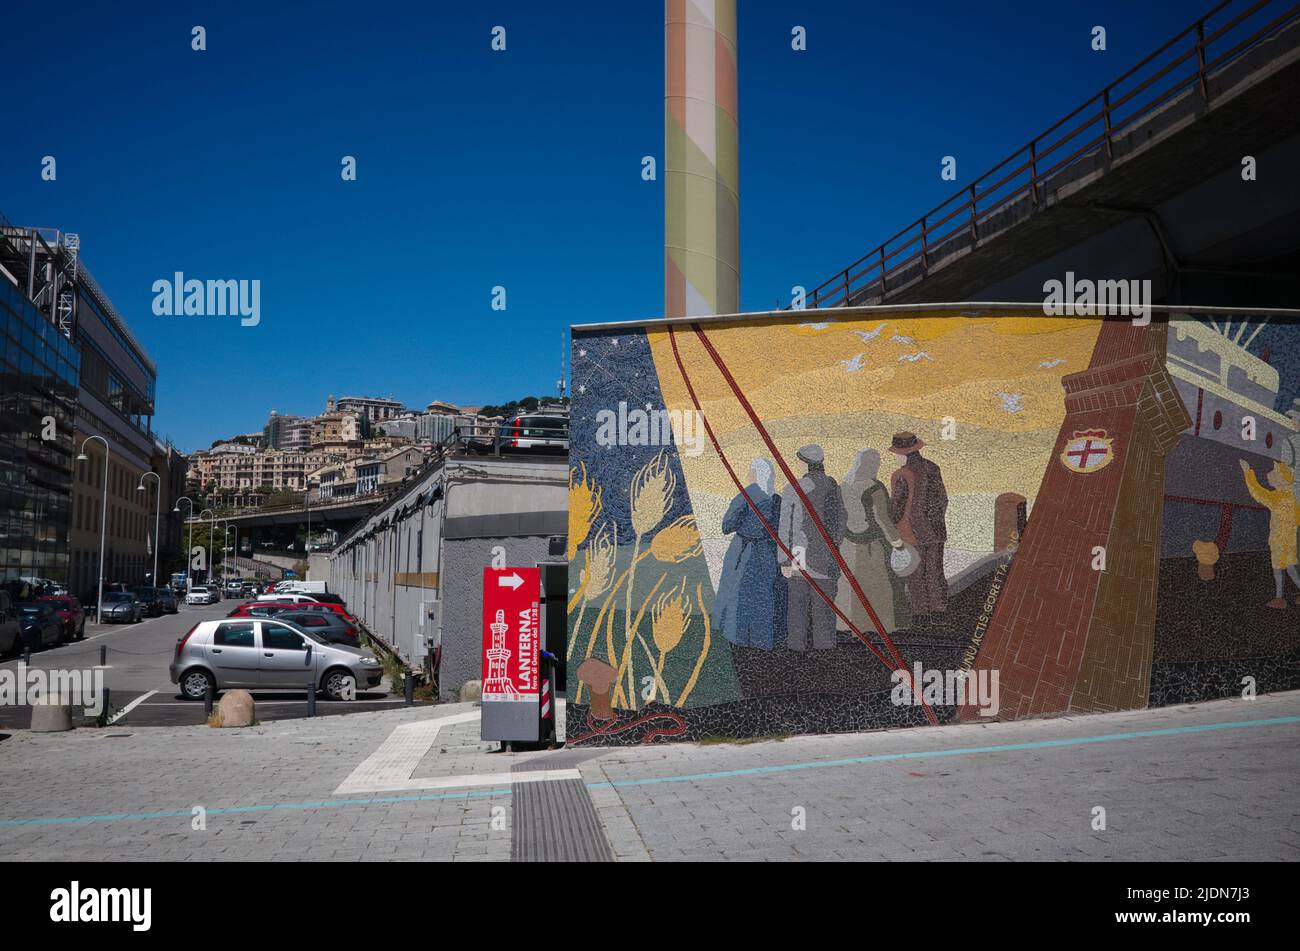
[1088, 451]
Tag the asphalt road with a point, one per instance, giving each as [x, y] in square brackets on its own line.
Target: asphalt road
[135, 673]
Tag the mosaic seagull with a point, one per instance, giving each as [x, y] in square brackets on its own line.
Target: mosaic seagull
[1012, 402]
[870, 334]
[913, 357]
[1048, 364]
[816, 326]
[854, 365]
[899, 338]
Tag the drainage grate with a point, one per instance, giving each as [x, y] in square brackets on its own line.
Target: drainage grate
[554, 821]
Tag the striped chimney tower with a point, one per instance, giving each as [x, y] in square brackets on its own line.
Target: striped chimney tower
[702, 161]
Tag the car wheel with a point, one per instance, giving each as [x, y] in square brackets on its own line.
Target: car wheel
[81, 632]
[340, 685]
[196, 683]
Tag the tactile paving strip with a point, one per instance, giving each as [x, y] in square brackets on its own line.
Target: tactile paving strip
[556, 822]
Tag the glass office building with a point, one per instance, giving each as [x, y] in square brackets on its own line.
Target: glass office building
[39, 373]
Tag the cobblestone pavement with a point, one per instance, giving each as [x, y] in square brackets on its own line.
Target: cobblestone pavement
[1208, 781]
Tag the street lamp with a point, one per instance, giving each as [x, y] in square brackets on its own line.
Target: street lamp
[235, 549]
[157, 511]
[190, 549]
[103, 520]
[306, 539]
[212, 539]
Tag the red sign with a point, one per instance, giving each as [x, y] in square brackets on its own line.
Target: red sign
[511, 634]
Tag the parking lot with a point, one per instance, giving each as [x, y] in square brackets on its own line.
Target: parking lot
[134, 671]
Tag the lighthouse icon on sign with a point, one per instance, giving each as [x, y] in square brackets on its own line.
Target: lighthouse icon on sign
[497, 680]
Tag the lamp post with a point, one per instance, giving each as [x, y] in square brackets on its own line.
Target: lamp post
[157, 512]
[190, 548]
[225, 547]
[235, 548]
[306, 539]
[212, 539]
[225, 533]
[103, 521]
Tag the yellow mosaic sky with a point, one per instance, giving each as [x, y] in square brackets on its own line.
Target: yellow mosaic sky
[844, 386]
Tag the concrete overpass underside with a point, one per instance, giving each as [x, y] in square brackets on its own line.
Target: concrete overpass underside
[1166, 202]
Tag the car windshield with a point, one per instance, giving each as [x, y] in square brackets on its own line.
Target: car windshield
[60, 605]
[198, 590]
[116, 597]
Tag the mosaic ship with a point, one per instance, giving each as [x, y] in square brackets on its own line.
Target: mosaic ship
[1222, 384]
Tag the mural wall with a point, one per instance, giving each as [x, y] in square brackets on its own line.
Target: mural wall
[817, 525]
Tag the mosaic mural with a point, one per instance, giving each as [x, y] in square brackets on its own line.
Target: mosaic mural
[820, 525]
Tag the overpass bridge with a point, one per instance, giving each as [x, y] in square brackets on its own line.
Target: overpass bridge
[256, 525]
[1142, 181]
[344, 514]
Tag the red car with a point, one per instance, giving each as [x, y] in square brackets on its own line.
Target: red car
[71, 616]
[253, 607]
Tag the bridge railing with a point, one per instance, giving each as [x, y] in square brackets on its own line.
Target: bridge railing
[1186, 62]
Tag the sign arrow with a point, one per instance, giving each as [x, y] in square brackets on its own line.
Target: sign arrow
[512, 581]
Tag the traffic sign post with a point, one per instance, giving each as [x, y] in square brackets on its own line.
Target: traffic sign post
[512, 676]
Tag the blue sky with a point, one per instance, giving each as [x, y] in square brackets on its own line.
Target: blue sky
[477, 169]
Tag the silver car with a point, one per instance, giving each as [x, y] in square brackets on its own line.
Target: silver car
[200, 594]
[265, 654]
[122, 608]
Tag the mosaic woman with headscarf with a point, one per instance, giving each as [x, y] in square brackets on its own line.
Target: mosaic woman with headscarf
[869, 538]
[750, 607]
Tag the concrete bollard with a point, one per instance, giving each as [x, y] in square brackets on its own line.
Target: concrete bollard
[51, 717]
[207, 702]
[103, 655]
[311, 700]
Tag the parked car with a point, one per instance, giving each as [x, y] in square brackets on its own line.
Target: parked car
[288, 598]
[71, 616]
[41, 627]
[261, 609]
[325, 623]
[167, 597]
[306, 587]
[122, 607]
[151, 601]
[267, 654]
[536, 432]
[304, 606]
[201, 594]
[327, 598]
[11, 628]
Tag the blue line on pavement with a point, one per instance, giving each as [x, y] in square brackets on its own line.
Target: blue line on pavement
[692, 777]
[956, 751]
